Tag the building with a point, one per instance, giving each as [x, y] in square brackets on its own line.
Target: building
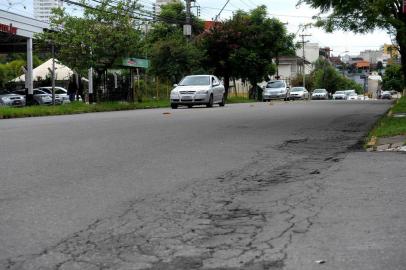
[311, 55]
[16, 35]
[289, 67]
[43, 9]
[391, 50]
[372, 56]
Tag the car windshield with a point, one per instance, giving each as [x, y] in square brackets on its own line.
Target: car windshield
[39, 92]
[340, 93]
[275, 84]
[297, 89]
[4, 92]
[319, 91]
[59, 91]
[46, 90]
[195, 80]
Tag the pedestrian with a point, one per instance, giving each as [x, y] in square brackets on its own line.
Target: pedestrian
[72, 88]
[80, 91]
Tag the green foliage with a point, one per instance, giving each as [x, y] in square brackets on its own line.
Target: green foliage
[78, 107]
[174, 58]
[172, 55]
[365, 16]
[98, 39]
[10, 66]
[327, 77]
[393, 78]
[245, 45]
[298, 81]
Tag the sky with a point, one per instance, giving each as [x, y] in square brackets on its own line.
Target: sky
[285, 10]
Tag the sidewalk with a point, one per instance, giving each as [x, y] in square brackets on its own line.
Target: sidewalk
[362, 224]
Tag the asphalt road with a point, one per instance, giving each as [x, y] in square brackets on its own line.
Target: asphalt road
[247, 186]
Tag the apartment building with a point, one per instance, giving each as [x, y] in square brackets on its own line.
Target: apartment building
[43, 9]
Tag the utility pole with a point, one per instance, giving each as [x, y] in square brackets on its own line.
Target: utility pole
[218, 15]
[187, 28]
[304, 58]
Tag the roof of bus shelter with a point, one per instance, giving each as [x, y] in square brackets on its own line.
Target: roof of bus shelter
[23, 27]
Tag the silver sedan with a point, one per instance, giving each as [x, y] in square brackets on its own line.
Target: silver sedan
[10, 99]
[198, 90]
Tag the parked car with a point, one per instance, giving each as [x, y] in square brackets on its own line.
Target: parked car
[198, 90]
[349, 92]
[11, 99]
[299, 93]
[276, 89]
[339, 95]
[60, 92]
[320, 94]
[352, 96]
[362, 97]
[386, 95]
[40, 97]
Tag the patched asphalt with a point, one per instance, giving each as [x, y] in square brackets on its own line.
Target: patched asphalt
[247, 186]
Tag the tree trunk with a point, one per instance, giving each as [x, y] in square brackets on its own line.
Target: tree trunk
[401, 40]
[226, 84]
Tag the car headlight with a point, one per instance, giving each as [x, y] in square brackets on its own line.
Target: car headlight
[202, 92]
[5, 99]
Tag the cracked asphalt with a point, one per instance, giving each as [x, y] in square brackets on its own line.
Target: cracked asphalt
[248, 186]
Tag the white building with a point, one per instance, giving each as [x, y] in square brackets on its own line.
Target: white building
[16, 35]
[311, 54]
[43, 9]
[372, 56]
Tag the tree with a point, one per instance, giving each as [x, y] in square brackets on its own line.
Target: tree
[245, 45]
[393, 78]
[172, 55]
[327, 77]
[104, 34]
[365, 16]
[174, 58]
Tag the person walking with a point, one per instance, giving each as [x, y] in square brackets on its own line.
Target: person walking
[72, 88]
[80, 90]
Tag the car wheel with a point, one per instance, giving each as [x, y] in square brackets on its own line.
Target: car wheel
[174, 106]
[210, 104]
[223, 102]
[189, 106]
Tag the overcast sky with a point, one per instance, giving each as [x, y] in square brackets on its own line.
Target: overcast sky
[285, 10]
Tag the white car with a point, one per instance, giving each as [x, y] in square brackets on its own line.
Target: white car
[320, 94]
[362, 97]
[299, 93]
[352, 96]
[61, 92]
[275, 90]
[198, 90]
[339, 95]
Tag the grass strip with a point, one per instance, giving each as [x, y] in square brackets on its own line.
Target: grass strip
[389, 125]
[80, 107]
[400, 106]
[77, 108]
